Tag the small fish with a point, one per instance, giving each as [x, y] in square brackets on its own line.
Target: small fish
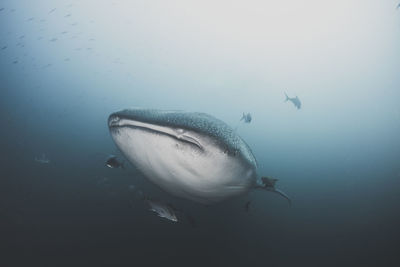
[30, 19]
[246, 117]
[42, 159]
[398, 6]
[51, 11]
[2, 8]
[4, 47]
[15, 62]
[295, 100]
[64, 32]
[67, 16]
[53, 39]
[113, 163]
[162, 209]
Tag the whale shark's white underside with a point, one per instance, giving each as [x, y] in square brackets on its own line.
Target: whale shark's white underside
[190, 155]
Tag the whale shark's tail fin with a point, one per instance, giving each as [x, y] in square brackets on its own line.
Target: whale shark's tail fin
[268, 184]
[287, 98]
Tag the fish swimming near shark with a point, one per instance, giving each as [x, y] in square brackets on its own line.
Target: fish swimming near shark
[246, 117]
[162, 209]
[188, 154]
[295, 100]
[113, 162]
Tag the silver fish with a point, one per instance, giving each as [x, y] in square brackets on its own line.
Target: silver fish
[295, 100]
[162, 209]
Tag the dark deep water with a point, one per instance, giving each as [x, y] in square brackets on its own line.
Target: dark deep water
[65, 67]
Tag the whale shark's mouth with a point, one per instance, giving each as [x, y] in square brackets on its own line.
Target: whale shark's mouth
[116, 123]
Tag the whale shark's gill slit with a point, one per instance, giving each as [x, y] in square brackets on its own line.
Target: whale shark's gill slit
[186, 140]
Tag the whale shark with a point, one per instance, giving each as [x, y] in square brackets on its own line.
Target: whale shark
[191, 155]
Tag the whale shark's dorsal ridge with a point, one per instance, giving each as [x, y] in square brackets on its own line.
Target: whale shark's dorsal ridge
[194, 121]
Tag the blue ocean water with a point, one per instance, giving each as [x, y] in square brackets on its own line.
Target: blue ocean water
[66, 65]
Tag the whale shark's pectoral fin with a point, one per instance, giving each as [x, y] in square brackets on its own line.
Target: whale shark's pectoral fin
[269, 185]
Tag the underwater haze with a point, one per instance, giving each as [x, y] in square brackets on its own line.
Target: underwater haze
[66, 65]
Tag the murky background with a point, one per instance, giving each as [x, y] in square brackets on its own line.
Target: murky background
[66, 65]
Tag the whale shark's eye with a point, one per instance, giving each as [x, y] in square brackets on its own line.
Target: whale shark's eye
[180, 131]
